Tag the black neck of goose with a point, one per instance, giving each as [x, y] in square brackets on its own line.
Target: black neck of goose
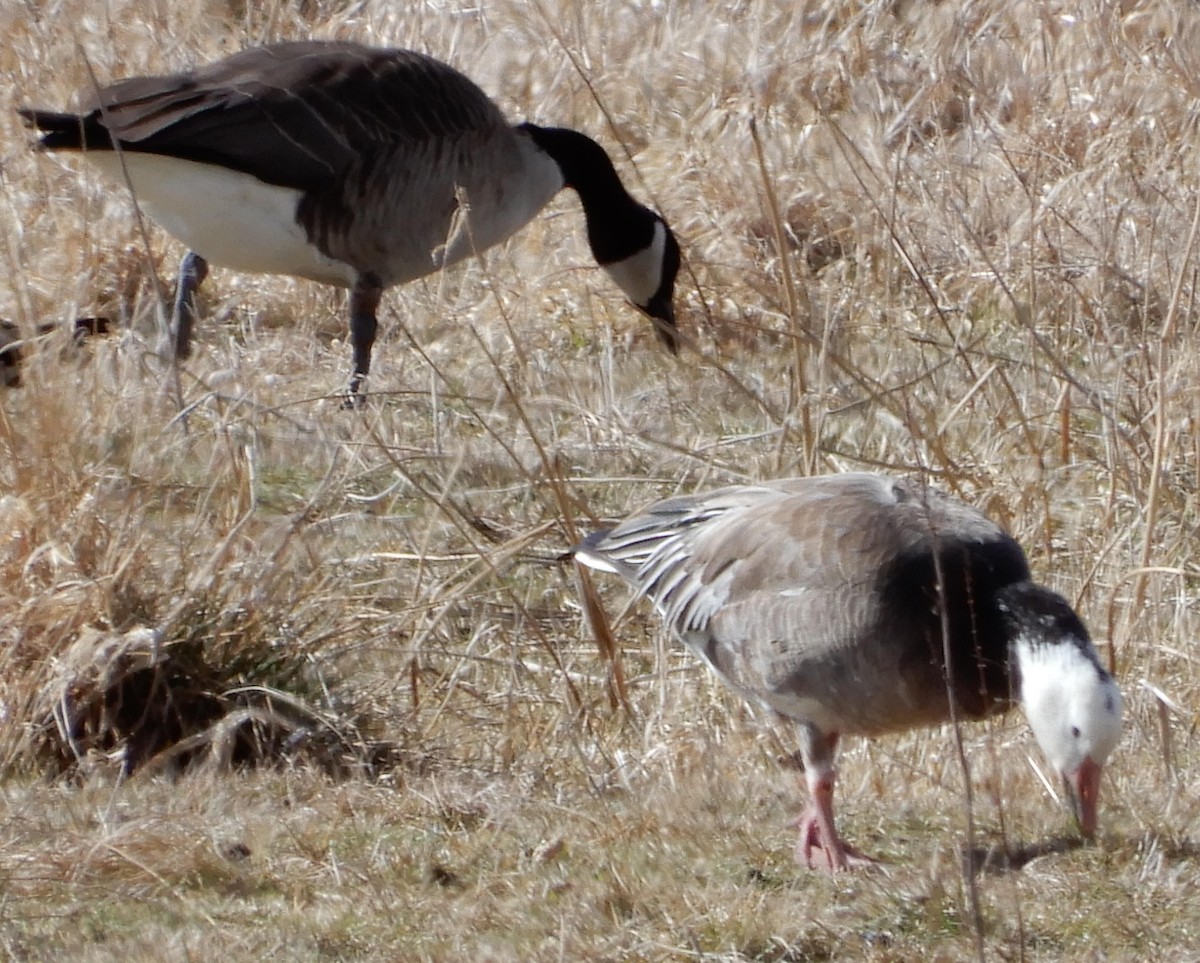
[617, 225]
[1039, 616]
[956, 594]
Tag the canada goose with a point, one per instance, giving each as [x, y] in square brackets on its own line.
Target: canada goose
[860, 603]
[353, 166]
[11, 344]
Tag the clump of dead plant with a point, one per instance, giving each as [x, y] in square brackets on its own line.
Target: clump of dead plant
[949, 239]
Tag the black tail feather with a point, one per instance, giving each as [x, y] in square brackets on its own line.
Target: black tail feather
[62, 131]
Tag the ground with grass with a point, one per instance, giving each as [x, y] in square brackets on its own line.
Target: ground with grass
[284, 681]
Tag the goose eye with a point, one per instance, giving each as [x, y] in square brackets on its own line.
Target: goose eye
[1074, 732]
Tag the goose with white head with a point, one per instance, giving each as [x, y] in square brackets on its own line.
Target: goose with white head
[863, 604]
[354, 166]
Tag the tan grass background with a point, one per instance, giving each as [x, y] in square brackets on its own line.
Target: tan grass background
[953, 238]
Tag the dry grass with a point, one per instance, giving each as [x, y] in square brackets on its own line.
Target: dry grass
[962, 244]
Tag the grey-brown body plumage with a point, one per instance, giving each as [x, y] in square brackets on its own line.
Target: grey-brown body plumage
[863, 604]
[823, 593]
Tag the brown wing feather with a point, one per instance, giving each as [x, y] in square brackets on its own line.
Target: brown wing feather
[293, 114]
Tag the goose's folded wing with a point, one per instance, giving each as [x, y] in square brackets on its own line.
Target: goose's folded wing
[288, 114]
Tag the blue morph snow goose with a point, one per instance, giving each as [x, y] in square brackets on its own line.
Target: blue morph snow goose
[354, 166]
[863, 604]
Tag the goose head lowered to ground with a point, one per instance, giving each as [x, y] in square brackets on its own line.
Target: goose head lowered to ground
[864, 604]
[354, 166]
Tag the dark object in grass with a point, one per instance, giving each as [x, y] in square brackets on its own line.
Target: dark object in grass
[11, 344]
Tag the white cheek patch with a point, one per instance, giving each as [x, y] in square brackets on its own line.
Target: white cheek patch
[640, 274]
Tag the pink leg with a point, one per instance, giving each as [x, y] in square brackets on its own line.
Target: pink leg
[816, 827]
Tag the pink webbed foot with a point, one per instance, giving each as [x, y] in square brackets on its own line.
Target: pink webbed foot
[813, 851]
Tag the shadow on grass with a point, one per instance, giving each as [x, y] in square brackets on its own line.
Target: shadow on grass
[997, 858]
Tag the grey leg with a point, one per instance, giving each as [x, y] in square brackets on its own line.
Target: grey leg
[192, 271]
[364, 302]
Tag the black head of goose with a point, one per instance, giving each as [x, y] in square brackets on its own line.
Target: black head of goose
[863, 604]
[354, 166]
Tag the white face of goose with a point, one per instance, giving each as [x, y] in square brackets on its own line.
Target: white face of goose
[1074, 710]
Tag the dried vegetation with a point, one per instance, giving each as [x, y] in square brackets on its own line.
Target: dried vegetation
[283, 681]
